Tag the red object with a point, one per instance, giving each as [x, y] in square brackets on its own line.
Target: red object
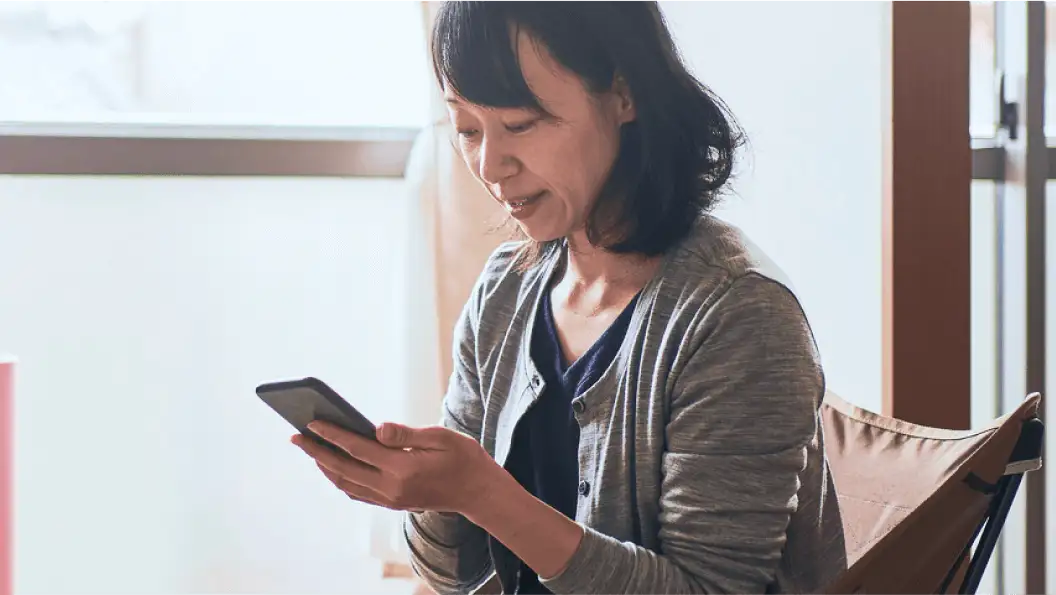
[7, 443]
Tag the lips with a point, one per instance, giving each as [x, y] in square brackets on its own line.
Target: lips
[520, 203]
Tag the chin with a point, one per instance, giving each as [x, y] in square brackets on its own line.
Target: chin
[541, 232]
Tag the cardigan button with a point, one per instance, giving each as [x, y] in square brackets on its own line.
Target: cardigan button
[584, 488]
[579, 407]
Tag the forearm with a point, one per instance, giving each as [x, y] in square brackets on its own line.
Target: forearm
[568, 557]
[447, 551]
[542, 537]
[705, 550]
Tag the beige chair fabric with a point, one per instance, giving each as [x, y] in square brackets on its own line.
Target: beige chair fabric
[904, 491]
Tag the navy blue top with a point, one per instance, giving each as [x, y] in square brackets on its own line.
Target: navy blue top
[544, 455]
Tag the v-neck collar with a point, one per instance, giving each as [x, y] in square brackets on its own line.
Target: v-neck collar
[542, 280]
[567, 369]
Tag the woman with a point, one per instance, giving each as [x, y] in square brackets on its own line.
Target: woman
[633, 407]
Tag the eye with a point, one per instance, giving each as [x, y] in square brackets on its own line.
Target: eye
[467, 134]
[522, 127]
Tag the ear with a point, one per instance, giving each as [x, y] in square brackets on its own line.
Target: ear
[623, 101]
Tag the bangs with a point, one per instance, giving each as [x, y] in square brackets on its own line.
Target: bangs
[474, 55]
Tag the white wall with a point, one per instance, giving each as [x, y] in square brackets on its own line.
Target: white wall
[144, 312]
[805, 80]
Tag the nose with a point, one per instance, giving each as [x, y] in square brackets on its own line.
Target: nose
[496, 161]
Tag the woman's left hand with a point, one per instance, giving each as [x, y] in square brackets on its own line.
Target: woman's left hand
[417, 469]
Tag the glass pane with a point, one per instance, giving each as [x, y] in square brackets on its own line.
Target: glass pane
[258, 63]
[983, 90]
[1013, 262]
[998, 356]
[984, 255]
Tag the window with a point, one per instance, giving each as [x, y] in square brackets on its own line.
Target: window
[982, 75]
[260, 64]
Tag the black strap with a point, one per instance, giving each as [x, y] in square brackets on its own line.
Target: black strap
[979, 484]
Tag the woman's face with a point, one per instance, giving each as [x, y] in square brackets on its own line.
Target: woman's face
[545, 171]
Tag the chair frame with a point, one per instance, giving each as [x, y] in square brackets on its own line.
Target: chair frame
[1026, 457]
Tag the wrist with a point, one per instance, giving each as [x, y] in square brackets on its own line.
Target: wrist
[541, 536]
[485, 493]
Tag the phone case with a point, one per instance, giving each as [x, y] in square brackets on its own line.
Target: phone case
[303, 401]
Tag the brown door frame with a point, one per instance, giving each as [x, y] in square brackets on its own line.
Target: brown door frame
[926, 217]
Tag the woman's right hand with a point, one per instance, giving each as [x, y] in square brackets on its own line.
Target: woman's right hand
[415, 469]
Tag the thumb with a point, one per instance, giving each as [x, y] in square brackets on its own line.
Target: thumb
[400, 436]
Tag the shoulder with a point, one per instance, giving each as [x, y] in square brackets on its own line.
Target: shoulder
[500, 270]
[716, 249]
[502, 290]
[718, 270]
[721, 293]
[748, 348]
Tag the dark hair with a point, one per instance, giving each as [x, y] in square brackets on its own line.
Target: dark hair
[673, 160]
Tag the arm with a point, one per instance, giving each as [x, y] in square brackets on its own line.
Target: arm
[743, 412]
[447, 551]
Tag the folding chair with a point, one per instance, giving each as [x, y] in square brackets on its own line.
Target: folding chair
[915, 499]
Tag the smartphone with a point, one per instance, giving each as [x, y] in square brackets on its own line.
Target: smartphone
[303, 401]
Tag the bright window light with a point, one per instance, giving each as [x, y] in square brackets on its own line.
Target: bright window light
[214, 63]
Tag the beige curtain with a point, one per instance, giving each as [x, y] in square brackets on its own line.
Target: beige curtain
[453, 230]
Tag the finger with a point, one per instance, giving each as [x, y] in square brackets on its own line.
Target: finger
[354, 491]
[358, 447]
[401, 436]
[352, 496]
[333, 477]
[361, 493]
[348, 469]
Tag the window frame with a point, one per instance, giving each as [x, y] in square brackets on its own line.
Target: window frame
[203, 150]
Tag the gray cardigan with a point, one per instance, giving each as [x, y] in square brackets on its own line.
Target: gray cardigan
[701, 441]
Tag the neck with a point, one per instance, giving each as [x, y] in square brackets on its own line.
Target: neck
[589, 265]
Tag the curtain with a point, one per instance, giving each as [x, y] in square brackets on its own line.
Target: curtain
[454, 228]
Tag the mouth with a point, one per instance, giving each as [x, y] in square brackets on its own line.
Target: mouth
[522, 202]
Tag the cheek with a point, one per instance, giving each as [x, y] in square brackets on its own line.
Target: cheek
[567, 169]
[586, 165]
[472, 159]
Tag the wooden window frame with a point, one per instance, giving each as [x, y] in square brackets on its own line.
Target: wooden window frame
[929, 166]
[158, 150]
